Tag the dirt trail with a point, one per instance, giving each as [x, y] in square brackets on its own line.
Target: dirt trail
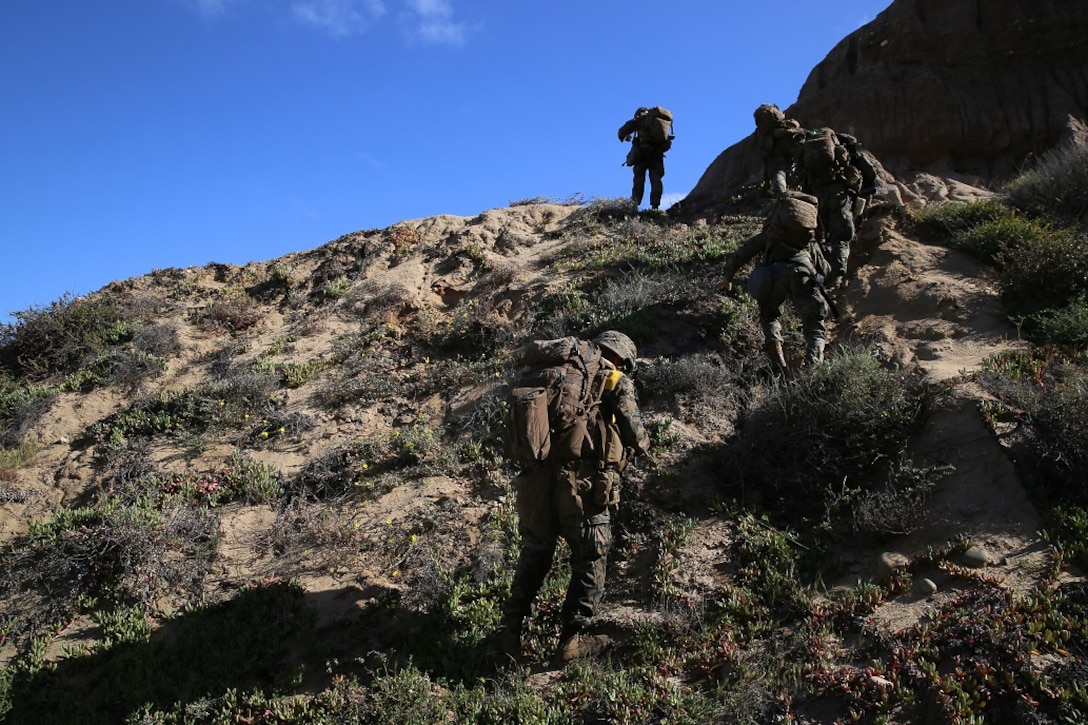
[937, 309]
[934, 309]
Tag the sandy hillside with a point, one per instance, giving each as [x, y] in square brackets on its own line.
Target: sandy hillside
[922, 306]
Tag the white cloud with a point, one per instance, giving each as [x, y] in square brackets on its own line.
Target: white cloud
[428, 21]
[433, 23]
[211, 8]
[339, 18]
[668, 200]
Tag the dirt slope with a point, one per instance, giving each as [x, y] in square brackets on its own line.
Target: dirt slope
[921, 305]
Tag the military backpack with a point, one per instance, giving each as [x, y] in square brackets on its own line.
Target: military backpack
[794, 220]
[822, 154]
[655, 128]
[554, 404]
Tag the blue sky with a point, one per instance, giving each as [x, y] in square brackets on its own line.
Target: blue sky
[145, 134]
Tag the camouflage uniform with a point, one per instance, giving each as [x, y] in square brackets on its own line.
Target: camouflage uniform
[786, 273]
[837, 192]
[777, 139]
[648, 159]
[582, 521]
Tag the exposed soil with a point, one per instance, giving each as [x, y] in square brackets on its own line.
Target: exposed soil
[924, 307]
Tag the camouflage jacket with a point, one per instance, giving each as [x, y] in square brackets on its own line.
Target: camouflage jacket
[621, 403]
[772, 252]
[780, 141]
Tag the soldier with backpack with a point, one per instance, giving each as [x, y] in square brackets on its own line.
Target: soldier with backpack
[835, 175]
[574, 425]
[650, 134]
[793, 268]
[778, 138]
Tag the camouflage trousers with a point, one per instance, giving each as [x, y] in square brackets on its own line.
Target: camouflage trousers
[776, 174]
[795, 282]
[837, 218]
[587, 529]
[650, 163]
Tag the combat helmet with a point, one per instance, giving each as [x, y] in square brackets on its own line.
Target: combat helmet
[768, 114]
[619, 345]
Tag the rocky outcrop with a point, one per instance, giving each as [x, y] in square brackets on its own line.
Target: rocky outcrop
[969, 88]
[975, 86]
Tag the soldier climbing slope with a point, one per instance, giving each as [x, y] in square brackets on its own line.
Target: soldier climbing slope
[574, 425]
[834, 168]
[778, 139]
[792, 267]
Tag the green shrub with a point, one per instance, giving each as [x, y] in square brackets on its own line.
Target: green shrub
[1056, 186]
[58, 339]
[1069, 531]
[837, 425]
[988, 240]
[1043, 268]
[1047, 392]
[12, 458]
[242, 479]
[227, 403]
[1063, 326]
[562, 312]
[944, 222]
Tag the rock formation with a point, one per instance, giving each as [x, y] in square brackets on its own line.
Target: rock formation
[967, 88]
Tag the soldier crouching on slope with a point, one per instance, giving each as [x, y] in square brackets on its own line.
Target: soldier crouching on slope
[570, 496]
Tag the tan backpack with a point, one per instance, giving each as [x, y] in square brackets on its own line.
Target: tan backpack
[794, 220]
[554, 404]
[768, 116]
[821, 153]
[655, 127]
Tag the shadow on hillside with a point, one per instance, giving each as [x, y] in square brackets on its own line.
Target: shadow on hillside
[268, 638]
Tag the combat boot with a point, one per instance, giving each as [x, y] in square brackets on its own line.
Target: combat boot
[776, 356]
[836, 279]
[510, 636]
[575, 644]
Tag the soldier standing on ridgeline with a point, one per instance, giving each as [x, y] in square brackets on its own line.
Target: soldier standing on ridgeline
[650, 134]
